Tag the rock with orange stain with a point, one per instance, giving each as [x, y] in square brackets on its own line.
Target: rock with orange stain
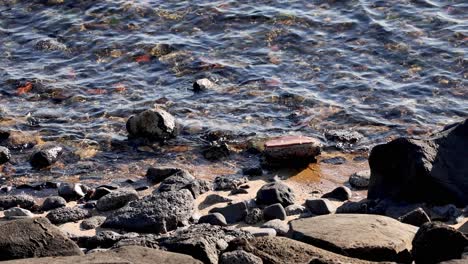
[291, 150]
[24, 89]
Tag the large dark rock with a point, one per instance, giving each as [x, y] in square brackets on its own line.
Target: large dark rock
[67, 214]
[157, 213]
[432, 170]
[417, 217]
[233, 212]
[320, 206]
[5, 155]
[157, 175]
[23, 201]
[274, 211]
[291, 151]
[183, 180]
[275, 192]
[116, 199]
[45, 156]
[92, 223]
[436, 242]
[27, 238]
[71, 191]
[53, 202]
[341, 193]
[213, 219]
[153, 124]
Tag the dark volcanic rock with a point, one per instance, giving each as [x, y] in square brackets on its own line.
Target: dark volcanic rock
[92, 223]
[417, 217]
[253, 171]
[45, 156]
[116, 199]
[67, 214]
[233, 213]
[360, 179]
[274, 211]
[291, 151]
[320, 206]
[23, 201]
[53, 202]
[341, 193]
[153, 124]
[216, 151]
[275, 192]
[27, 238]
[360, 207]
[231, 182]
[157, 175]
[71, 191]
[433, 170]
[5, 155]
[213, 219]
[157, 213]
[436, 242]
[183, 180]
[239, 257]
[254, 216]
[344, 138]
[213, 199]
[103, 239]
[334, 160]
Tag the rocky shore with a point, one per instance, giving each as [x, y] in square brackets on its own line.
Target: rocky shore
[415, 209]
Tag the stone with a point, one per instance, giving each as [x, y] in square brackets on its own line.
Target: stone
[53, 202]
[116, 200]
[157, 213]
[153, 124]
[359, 207]
[274, 211]
[17, 212]
[233, 213]
[226, 183]
[417, 217]
[320, 206]
[430, 170]
[436, 242]
[157, 175]
[213, 199]
[51, 44]
[275, 192]
[239, 257]
[203, 85]
[341, 193]
[23, 201]
[252, 171]
[71, 191]
[103, 239]
[45, 156]
[360, 179]
[213, 219]
[445, 213]
[259, 232]
[215, 151]
[183, 180]
[295, 209]
[369, 237]
[464, 228]
[33, 237]
[281, 228]
[334, 161]
[67, 214]
[255, 215]
[5, 155]
[92, 223]
[100, 192]
[238, 191]
[343, 139]
[161, 49]
[127, 255]
[291, 151]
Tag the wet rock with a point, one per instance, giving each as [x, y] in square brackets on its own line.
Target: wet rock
[92, 223]
[5, 155]
[71, 191]
[204, 84]
[295, 209]
[157, 213]
[253, 171]
[23, 201]
[320, 206]
[254, 216]
[232, 182]
[436, 242]
[33, 237]
[233, 213]
[67, 214]
[116, 200]
[360, 179]
[334, 161]
[157, 175]
[50, 44]
[213, 219]
[45, 156]
[343, 138]
[53, 202]
[204, 242]
[213, 199]
[239, 257]
[341, 193]
[154, 124]
[161, 49]
[432, 170]
[275, 192]
[369, 237]
[274, 211]
[216, 151]
[281, 228]
[291, 151]
[259, 232]
[17, 212]
[417, 217]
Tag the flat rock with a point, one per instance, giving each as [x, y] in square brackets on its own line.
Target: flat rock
[116, 199]
[370, 237]
[233, 212]
[239, 257]
[275, 192]
[23, 201]
[67, 214]
[291, 150]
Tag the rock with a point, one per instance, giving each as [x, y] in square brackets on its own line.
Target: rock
[203, 85]
[295, 209]
[228, 182]
[320, 206]
[92, 223]
[436, 242]
[432, 170]
[275, 192]
[204, 242]
[215, 151]
[360, 207]
[71, 191]
[67, 214]
[238, 191]
[213, 219]
[51, 44]
[53, 202]
[157, 213]
[100, 192]
[334, 160]
[417, 217]
[274, 211]
[183, 180]
[45, 156]
[252, 171]
[23, 201]
[343, 138]
[233, 213]
[155, 124]
[445, 213]
[464, 228]
[291, 151]
[369, 237]
[259, 232]
[116, 200]
[239, 257]
[341, 193]
[33, 237]
[5, 155]
[127, 255]
[360, 179]
[254, 216]
[4, 134]
[17, 212]
[281, 228]
[157, 175]
[213, 199]
[103, 239]
[161, 49]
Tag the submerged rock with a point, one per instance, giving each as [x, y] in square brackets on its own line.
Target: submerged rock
[275, 192]
[153, 124]
[291, 150]
[45, 156]
[204, 84]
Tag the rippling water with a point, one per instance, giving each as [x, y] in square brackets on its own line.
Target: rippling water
[77, 70]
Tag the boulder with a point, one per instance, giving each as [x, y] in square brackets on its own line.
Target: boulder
[369, 237]
[320, 206]
[71, 191]
[233, 212]
[213, 199]
[274, 211]
[157, 213]
[255, 215]
[432, 170]
[213, 219]
[291, 151]
[5, 155]
[341, 193]
[275, 192]
[53, 202]
[417, 217]
[436, 242]
[360, 179]
[17, 212]
[281, 227]
[239, 257]
[116, 200]
[23, 201]
[67, 214]
[153, 124]
[45, 156]
[33, 237]
[92, 223]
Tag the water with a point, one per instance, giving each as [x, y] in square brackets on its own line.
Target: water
[382, 68]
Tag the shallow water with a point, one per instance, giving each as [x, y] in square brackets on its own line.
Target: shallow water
[383, 68]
